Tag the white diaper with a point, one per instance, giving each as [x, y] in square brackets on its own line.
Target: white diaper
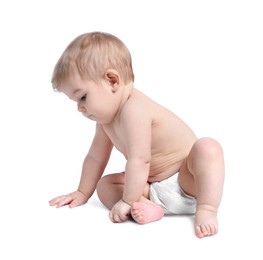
[169, 195]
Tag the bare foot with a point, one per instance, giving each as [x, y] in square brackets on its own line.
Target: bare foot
[144, 213]
[205, 221]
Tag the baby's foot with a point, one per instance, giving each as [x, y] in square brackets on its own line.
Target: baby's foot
[205, 221]
[144, 213]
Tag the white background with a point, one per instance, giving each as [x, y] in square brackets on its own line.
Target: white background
[201, 59]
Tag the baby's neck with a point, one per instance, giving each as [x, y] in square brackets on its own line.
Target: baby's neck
[126, 92]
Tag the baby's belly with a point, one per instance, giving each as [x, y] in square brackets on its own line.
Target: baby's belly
[163, 169]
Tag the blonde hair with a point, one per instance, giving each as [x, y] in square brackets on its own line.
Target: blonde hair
[90, 55]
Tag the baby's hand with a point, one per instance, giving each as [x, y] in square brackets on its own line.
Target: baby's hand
[120, 212]
[73, 199]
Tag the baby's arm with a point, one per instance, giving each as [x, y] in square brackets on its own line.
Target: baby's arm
[136, 123]
[135, 128]
[92, 170]
[95, 162]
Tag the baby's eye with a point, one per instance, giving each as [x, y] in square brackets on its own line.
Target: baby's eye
[83, 98]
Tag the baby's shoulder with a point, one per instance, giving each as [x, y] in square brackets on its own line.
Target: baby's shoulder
[139, 103]
[138, 107]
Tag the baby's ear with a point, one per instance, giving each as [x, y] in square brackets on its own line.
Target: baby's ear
[113, 78]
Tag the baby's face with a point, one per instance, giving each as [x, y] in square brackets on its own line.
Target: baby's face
[96, 101]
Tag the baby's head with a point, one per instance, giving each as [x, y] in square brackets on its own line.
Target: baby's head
[90, 55]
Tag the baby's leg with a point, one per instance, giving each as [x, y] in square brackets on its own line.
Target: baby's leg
[110, 191]
[202, 176]
[145, 211]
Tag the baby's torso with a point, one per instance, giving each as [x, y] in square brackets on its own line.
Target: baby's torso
[171, 139]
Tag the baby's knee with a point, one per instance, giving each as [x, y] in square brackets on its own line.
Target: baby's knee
[108, 181]
[208, 147]
[102, 183]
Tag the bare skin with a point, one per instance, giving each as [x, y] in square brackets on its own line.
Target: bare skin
[208, 196]
[156, 143]
[144, 213]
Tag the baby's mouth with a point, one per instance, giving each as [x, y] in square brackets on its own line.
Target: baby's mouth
[91, 117]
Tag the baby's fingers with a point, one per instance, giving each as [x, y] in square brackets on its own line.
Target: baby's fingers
[61, 201]
[54, 201]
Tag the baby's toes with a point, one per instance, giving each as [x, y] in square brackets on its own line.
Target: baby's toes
[198, 231]
[204, 230]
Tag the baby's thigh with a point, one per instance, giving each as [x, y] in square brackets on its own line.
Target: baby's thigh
[186, 180]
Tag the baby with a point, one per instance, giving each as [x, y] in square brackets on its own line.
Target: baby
[168, 170]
